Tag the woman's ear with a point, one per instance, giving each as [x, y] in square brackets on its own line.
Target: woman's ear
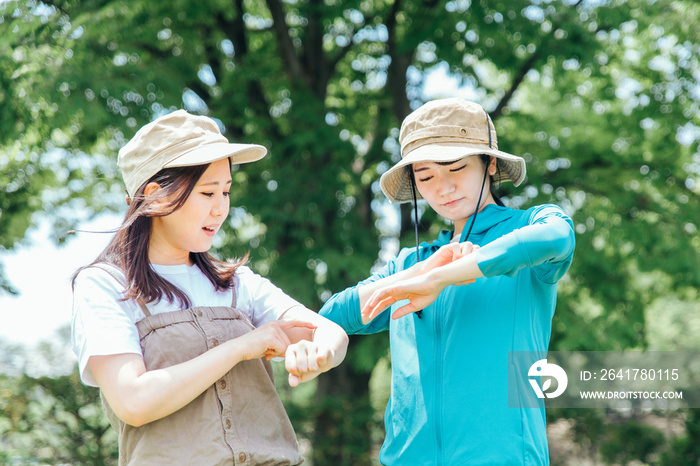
[150, 189]
[493, 166]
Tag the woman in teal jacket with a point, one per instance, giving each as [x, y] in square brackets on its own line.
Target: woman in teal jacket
[450, 344]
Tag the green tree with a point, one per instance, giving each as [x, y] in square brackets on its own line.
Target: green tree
[62, 422]
[50, 419]
[600, 97]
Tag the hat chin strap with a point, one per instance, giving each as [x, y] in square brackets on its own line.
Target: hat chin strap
[415, 209]
[478, 202]
[415, 223]
[483, 182]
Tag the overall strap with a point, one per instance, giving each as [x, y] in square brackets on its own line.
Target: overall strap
[235, 282]
[112, 270]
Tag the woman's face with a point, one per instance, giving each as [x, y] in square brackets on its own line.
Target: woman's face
[192, 227]
[452, 189]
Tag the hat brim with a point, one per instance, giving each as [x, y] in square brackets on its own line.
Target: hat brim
[395, 182]
[209, 153]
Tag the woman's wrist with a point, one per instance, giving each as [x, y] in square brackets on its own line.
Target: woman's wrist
[336, 342]
[460, 271]
[416, 270]
[440, 277]
[235, 351]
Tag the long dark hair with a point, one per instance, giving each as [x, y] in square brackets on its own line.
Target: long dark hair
[128, 249]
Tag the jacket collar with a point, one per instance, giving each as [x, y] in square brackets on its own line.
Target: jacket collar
[489, 216]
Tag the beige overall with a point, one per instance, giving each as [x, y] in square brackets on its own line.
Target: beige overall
[239, 420]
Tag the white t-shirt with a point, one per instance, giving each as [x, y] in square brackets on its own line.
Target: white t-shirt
[103, 324]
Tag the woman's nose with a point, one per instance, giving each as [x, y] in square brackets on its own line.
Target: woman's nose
[221, 207]
[447, 187]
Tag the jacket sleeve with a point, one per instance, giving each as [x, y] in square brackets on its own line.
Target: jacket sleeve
[545, 244]
[343, 308]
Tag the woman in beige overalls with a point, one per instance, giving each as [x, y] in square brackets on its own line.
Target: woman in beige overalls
[178, 341]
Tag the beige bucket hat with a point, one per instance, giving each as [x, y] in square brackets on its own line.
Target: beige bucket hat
[445, 130]
[178, 139]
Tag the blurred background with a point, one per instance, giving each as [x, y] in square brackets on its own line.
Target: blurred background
[601, 97]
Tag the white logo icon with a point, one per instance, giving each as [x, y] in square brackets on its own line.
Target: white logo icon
[542, 369]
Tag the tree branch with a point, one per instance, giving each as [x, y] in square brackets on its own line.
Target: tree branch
[522, 72]
[293, 66]
[235, 29]
[317, 71]
[396, 73]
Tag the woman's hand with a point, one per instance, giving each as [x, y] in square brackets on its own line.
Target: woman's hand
[306, 360]
[270, 340]
[312, 353]
[421, 290]
[139, 396]
[446, 254]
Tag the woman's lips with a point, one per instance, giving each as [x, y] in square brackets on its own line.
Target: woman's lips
[451, 203]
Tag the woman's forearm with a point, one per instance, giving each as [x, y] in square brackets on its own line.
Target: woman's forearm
[446, 254]
[365, 291]
[138, 396]
[461, 270]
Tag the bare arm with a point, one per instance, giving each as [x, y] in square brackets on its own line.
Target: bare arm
[421, 290]
[376, 296]
[139, 396]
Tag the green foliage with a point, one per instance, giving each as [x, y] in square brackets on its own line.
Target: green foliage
[631, 441]
[685, 451]
[50, 419]
[600, 97]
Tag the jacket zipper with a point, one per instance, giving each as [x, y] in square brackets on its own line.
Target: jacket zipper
[438, 380]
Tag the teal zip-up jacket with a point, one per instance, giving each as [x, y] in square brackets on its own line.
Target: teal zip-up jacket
[449, 389]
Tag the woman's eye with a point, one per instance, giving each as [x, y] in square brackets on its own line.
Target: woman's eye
[423, 180]
[226, 193]
[458, 168]
[208, 194]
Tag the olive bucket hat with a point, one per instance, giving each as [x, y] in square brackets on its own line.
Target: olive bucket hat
[446, 130]
[178, 139]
